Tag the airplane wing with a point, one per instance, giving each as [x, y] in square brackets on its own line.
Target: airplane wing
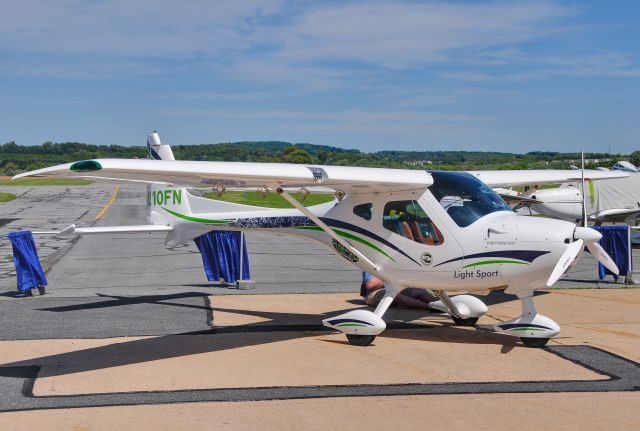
[245, 174]
[618, 215]
[518, 200]
[241, 174]
[535, 177]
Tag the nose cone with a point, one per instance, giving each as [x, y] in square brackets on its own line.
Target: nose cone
[588, 235]
[543, 240]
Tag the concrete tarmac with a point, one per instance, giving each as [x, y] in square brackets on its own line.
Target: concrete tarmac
[131, 334]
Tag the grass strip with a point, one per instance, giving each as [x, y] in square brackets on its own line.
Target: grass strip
[7, 181]
[6, 197]
[271, 200]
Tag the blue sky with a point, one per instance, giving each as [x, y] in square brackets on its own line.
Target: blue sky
[509, 76]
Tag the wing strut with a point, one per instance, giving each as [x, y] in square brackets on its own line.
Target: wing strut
[372, 266]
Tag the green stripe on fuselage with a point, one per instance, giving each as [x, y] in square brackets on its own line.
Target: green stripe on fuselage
[350, 236]
[494, 262]
[338, 231]
[195, 219]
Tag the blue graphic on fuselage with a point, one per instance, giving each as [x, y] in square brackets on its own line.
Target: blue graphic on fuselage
[302, 221]
[526, 255]
[338, 321]
[273, 222]
[508, 326]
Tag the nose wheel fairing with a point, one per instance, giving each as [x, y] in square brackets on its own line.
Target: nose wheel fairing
[459, 306]
[357, 322]
[533, 328]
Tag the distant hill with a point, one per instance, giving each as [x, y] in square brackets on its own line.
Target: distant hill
[269, 146]
[279, 146]
[449, 156]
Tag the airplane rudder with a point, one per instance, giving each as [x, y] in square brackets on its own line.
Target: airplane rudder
[157, 150]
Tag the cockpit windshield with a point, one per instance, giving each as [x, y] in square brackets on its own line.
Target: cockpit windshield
[464, 197]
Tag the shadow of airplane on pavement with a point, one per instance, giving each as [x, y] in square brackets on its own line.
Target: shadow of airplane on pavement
[275, 329]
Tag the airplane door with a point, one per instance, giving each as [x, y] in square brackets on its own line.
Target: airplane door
[425, 241]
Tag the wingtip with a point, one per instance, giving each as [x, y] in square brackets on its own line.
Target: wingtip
[44, 172]
[22, 175]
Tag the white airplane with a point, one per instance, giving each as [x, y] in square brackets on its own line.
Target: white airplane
[625, 166]
[614, 200]
[443, 231]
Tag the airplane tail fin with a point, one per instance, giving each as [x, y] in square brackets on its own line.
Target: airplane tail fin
[157, 150]
[172, 206]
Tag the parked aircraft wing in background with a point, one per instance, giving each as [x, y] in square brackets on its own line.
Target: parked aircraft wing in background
[536, 177]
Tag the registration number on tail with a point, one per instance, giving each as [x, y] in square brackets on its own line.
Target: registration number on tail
[164, 197]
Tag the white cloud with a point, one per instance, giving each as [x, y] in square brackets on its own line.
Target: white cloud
[611, 64]
[156, 28]
[317, 46]
[269, 70]
[466, 75]
[73, 69]
[364, 118]
[220, 96]
[384, 33]
[409, 34]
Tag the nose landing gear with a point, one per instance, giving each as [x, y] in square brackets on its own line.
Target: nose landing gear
[360, 340]
[465, 310]
[360, 326]
[533, 329]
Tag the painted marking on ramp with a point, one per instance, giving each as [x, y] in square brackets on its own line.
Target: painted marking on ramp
[16, 386]
[108, 204]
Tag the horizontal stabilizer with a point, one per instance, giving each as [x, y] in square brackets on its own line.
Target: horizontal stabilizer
[73, 230]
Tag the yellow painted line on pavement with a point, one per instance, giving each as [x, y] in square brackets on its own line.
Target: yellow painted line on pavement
[108, 204]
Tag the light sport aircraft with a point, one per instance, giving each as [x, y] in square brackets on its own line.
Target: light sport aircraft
[443, 231]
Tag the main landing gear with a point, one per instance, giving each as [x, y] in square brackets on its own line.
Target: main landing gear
[533, 329]
[362, 326]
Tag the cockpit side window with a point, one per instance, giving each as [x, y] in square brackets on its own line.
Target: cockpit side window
[363, 210]
[408, 219]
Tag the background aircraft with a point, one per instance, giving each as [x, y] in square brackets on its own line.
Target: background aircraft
[613, 200]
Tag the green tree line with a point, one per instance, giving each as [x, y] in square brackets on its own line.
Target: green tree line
[18, 158]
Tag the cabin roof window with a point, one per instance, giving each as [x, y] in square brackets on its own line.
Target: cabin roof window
[465, 198]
